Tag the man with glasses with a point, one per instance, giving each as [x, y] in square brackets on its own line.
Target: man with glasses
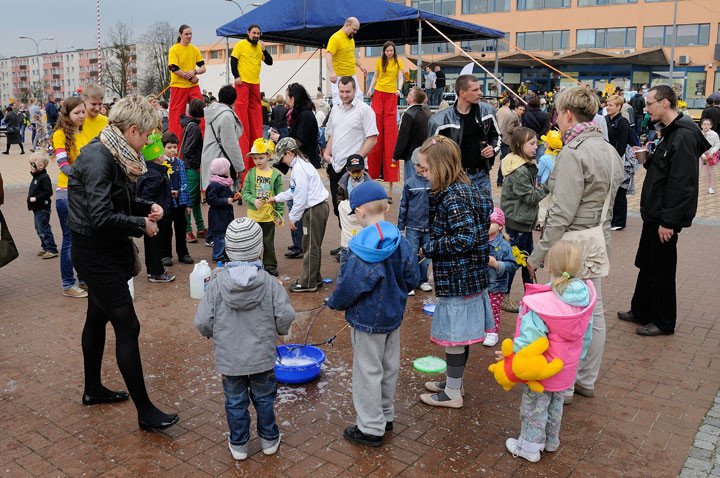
[668, 203]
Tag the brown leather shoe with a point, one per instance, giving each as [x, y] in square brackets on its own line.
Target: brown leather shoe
[651, 330]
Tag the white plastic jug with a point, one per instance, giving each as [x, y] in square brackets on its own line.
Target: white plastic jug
[197, 279]
[131, 286]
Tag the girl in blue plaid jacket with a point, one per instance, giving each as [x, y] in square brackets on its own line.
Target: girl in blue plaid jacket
[460, 250]
[181, 204]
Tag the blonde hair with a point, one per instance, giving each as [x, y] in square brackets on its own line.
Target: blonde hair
[373, 208]
[564, 260]
[93, 90]
[444, 165]
[580, 101]
[616, 100]
[39, 157]
[133, 110]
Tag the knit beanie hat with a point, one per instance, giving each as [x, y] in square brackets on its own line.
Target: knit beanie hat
[243, 239]
[498, 216]
[219, 166]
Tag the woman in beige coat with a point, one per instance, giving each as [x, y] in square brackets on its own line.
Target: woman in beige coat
[587, 169]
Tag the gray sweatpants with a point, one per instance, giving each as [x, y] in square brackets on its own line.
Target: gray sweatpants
[589, 367]
[376, 363]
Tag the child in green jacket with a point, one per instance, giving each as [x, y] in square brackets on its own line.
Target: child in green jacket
[263, 182]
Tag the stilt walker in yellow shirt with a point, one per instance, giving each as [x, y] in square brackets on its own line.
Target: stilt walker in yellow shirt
[245, 62]
[341, 59]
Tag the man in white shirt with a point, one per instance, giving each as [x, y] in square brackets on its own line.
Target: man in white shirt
[351, 129]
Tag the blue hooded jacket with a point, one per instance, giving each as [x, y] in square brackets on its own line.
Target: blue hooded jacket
[500, 277]
[380, 271]
[414, 205]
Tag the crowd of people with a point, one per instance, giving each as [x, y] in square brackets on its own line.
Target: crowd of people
[145, 168]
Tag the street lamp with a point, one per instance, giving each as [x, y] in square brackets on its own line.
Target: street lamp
[227, 42]
[241, 9]
[37, 50]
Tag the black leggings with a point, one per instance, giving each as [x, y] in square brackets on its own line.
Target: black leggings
[127, 330]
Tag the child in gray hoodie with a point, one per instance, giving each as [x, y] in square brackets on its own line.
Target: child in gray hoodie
[243, 309]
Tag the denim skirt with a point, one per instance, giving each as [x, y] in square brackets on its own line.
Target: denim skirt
[460, 320]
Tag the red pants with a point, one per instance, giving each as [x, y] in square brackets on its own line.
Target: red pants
[380, 158]
[249, 111]
[179, 99]
[496, 300]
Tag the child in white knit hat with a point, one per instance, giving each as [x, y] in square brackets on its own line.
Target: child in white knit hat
[242, 310]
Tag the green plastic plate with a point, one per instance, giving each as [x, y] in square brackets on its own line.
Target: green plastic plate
[430, 364]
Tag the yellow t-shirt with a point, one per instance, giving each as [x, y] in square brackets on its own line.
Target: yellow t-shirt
[343, 53]
[186, 58]
[249, 57]
[92, 127]
[61, 153]
[263, 190]
[388, 80]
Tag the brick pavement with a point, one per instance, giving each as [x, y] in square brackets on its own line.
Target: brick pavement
[652, 396]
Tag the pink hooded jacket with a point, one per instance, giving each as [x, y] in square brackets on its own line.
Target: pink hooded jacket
[566, 323]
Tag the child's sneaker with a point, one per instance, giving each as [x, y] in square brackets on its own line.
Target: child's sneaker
[190, 237]
[40, 253]
[239, 452]
[524, 449]
[550, 447]
[354, 434]
[75, 292]
[162, 278]
[411, 293]
[491, 339]
[270, 447]
[509, 305]
[49, 255]
[425, 287]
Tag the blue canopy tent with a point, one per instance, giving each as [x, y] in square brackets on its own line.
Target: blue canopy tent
[312, 22]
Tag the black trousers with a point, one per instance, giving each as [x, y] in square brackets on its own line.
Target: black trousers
[334, 181]
[654, 298]
[619, 212]
[177, 220]
[153, 249]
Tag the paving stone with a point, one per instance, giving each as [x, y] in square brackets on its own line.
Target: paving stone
[698, 464]
[700, 453]
[687, 473]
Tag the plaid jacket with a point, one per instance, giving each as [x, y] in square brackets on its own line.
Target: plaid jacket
[459, 246]
[178, 179]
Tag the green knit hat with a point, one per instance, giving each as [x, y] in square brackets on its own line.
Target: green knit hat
[155, 149]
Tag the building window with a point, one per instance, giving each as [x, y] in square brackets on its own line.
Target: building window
[373, 51]
[272, 49]
[214, 54]
[687, 35]
[441, 7]
[485, 6]
[479, 46]
[289, 49]
[548, 41]
[606, 38]
[540, 4]
[432, 48]
[307, 49]
[592, 3]
[649, 1]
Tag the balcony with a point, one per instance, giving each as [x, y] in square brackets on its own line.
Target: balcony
[23, 67]
[55, 63]
[56, 88]
[93, 60]
[24, 79]
[56, 77]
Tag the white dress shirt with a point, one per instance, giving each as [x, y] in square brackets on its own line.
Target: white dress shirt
[348, 128]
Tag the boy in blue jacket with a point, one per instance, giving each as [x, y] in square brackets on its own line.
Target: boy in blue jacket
[380, 270]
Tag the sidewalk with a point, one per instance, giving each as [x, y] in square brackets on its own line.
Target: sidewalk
[652, 396]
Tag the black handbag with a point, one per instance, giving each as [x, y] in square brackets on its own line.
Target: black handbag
[8, 250]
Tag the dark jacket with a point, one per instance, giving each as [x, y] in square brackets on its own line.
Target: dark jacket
[342, 190]
[304, 129]
[380, 271]
[12, 121]
[192, 142]
[618, 132]
[41, 189]
[536, 119]
[459, 221]
[447, 123]
[154, 186]
[413, 132]
[414, 205]
[221, 213]
[500, 278]
[52, 113]
[637, 103]
[101, 203]
[713, 113]
[670, 190]
[278, 117]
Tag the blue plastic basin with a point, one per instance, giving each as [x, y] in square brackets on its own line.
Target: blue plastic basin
[299, 374]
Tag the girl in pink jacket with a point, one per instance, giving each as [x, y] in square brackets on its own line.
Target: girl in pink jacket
[562, 312]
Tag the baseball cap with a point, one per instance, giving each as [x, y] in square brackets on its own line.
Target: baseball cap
[283, 146]
[355, 161]
[366, 192]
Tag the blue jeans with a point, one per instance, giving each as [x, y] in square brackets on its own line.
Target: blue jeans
[408, 172]
[482, 180]
[524, 242]
[44, 232]
[540, 151]
[418, 239]
[262, 388]
[66, 268]
[218, 249]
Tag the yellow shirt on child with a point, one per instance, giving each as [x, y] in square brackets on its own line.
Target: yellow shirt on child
[263, 190]
[388, 80]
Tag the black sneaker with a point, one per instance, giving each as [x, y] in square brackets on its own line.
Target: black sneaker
[272, 272]
[354, 434]
[167, 261]
[335, 252]
[210, 244]
[164, 277]
[301, 288]
[388, 426]
[186, 259]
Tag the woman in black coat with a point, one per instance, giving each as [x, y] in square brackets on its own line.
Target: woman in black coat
[12, 120]
[618, 137]
[537, 120]
[103, 216]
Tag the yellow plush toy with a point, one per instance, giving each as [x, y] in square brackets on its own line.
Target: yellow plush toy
[527, 366]
[553, 138]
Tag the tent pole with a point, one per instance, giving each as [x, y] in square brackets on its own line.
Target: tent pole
[495, 45]
[227, 61]
[418, 77]
[320, 82]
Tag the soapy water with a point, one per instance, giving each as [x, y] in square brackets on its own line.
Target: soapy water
[294, 358]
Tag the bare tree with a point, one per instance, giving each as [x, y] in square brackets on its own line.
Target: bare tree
[119, 70]
[158, 39]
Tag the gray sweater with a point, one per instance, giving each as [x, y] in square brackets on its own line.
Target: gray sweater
[242, 310]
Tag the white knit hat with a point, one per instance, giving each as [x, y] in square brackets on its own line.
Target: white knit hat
[243, 240]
